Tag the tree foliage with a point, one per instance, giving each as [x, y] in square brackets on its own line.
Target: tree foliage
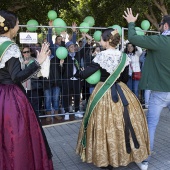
[105, 13]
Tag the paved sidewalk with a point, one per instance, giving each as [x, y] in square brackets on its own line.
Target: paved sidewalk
[63, 137]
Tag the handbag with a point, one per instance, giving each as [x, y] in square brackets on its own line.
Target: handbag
[136, 75]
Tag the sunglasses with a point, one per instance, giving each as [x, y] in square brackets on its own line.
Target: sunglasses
[24, 52]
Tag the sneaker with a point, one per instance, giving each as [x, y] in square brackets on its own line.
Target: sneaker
[146, 106]
[143, 165]
[79, 115]
[66, 117]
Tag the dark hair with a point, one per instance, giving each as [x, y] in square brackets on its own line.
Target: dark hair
[58, 37]
[134, 48]
[113, 39]
[94, 48]
[10, 21]
[26, 46]
[166, 19]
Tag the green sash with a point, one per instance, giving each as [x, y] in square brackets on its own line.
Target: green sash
[4, 46]
[100, 93]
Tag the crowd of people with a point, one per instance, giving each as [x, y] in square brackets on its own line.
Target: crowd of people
[62, 90]
[114, 130]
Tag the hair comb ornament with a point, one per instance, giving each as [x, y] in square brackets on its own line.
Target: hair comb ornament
[1, 24]
[114, 32]
[2, 19]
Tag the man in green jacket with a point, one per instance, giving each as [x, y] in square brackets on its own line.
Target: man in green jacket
[156, 71]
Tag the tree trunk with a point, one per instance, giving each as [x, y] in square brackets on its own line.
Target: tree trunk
[150, 15]
[161, 6]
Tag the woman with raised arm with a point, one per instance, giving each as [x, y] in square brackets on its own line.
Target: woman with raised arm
[23, 142]
[114, 131]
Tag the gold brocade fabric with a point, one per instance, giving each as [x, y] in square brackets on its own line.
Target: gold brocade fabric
[105, 143]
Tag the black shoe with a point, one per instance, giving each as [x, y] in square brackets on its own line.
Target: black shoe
[108, 167]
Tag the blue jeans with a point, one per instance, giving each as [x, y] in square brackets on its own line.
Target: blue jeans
[133, 86]
[157, 101]
[52, 98]
[147, 96]
[91, 90]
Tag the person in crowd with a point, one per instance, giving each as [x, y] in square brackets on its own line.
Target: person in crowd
[156, 71]
[51, 87]
[59, 40]
[114, 131]
[34, 85]
[146, 93]
[133, 53]
[26, 53]
[86, 48]
[23, 142]
[71, 85]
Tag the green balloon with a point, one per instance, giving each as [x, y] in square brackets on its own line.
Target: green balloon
[61, 53]
[58, 22]
[97, 35]
[33, 23]
[94, 78]
[118, 28]
[58, 31]
[90, 20]
[139, 31]
[86, 25]
[145, 24]
[52, 15]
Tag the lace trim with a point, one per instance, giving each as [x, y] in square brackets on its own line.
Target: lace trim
[45, 68]
[109, 60]
[32, 75]
[12, 51]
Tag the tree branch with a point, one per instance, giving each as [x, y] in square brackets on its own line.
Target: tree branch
[152, 14]
[16, 8]
[161, 2]
[152, 20]
[161, 6]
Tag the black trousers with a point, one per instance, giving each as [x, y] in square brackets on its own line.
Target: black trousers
[36, 99]
[85, 90]
[71, 88]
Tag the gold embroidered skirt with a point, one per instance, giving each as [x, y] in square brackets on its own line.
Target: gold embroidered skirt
[105, 140]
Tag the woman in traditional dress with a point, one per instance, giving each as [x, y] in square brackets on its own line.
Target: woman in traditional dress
[22, 141]
[114, 130]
